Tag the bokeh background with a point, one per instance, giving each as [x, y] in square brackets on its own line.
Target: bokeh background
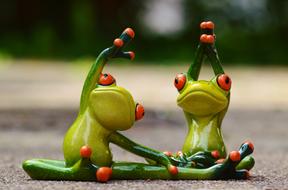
[249, 32]
[47, 48]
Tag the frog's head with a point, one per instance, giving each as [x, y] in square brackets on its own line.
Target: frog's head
[113, 106]
[203, 98]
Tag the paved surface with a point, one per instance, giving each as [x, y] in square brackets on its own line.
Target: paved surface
[38, 133]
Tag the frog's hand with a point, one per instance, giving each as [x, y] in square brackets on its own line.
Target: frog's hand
[204, 159]
[208, 38]
[115, 51]
[207, 48]
[44, 169]
[143, 151]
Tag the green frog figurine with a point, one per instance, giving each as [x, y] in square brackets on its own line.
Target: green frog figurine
[105, 109]
[205, 104]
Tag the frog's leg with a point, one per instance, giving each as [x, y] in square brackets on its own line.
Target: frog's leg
[124, 170]
[84, 170]
[44, 169]
[225, 170]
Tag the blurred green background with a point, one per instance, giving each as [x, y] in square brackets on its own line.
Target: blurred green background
[248, 31]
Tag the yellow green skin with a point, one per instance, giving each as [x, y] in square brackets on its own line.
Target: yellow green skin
[205, 104]
[105, 110]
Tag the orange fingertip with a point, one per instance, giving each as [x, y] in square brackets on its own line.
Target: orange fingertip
[220, 161]
[168, 153]
[103, 174]
[173, 170]
[179, 153]
[250, 144]
[85, 152]
[118, 42]
[132, 55]
[215, 154]
[203, 25]
[235, 156]
[130, 32]
[210, 39]
[209, 25]
[203, 38]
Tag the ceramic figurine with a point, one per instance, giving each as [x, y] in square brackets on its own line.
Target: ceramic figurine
[106, 108]
[205, 104]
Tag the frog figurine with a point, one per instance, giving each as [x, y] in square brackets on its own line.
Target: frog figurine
[105, 109]
[205, 103]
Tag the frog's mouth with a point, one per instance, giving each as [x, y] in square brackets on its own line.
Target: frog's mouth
[201, 102]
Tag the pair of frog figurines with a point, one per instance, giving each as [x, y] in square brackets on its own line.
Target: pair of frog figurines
[106, 108]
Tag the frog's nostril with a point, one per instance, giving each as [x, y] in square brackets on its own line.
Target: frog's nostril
[139, 112]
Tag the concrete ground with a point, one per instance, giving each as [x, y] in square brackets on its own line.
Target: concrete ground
[39, 102]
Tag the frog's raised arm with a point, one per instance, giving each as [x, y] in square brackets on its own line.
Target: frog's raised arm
[205, 48]
[115, 51]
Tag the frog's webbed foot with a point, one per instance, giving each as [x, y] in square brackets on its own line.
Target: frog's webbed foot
[208, 164]
[248, 161]
[231, 164]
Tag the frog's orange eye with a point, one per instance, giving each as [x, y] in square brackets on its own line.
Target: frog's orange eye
[224, 82]
[180, 81]
[139, 112]
[106, 79]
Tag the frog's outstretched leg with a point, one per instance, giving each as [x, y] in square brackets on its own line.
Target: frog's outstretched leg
[84, 170]
[44, 169]
[225, 170]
